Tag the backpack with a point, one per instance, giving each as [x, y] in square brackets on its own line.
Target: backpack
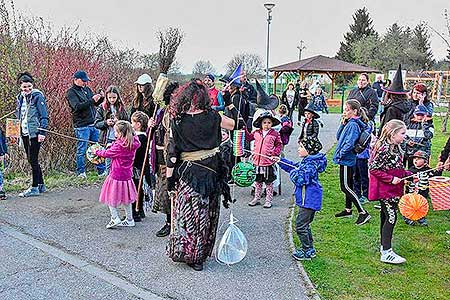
[363, 140]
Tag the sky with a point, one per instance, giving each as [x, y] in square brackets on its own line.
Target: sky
[216, 30]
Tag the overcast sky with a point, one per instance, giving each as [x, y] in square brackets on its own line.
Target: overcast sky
[216, 30]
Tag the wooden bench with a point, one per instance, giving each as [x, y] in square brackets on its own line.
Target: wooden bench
[334, 102]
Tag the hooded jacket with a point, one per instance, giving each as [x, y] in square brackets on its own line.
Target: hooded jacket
[368, 98]
[37, 115]
[306, 174]
[103, 114]
[347, 136]
[396, 110]
[269, 145]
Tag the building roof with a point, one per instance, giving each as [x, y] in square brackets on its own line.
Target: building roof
[324, 64]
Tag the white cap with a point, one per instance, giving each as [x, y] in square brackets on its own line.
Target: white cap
[144, 79]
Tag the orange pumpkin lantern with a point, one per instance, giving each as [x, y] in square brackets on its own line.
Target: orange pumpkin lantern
[413, 206]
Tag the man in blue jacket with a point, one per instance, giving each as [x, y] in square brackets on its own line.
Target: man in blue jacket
[305, 176]
[83, 104]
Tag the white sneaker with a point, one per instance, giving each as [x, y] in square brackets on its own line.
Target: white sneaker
[390, 257]
[127, 223]
[113, 223]
[82, 175]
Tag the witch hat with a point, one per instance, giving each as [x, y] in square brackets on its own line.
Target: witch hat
[310, 108]
[235, 78]
[396, 86]
[265, 101]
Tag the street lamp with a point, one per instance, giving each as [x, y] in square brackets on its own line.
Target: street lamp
[269, 7]
[300, 49]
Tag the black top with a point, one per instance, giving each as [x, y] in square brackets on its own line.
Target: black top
[193, 132]
[140, 152]
[445, 152]
[249, 92]
[377, 86]
[82, 105]
[368, 98]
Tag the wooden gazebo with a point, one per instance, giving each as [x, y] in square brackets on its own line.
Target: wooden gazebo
[319, 65]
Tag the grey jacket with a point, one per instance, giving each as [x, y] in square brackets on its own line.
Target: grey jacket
[37, 116]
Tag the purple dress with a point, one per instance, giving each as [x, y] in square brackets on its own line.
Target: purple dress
[118, 188]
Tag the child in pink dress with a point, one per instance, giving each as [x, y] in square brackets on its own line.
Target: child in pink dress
[118, 188]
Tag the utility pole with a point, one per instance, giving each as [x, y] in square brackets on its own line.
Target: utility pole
[300, 49]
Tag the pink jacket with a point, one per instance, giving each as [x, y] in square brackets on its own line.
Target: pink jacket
[270, 145]
[380, 184]
[121, 158]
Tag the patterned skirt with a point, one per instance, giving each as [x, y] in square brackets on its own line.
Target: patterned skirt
[194, 225]
[162, 201]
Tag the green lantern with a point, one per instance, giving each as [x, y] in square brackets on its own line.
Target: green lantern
[243, 174]
[90, 154]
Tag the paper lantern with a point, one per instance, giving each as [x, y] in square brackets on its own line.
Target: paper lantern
[440, 192]
[90, 154]
[243, 174]
[413, 206]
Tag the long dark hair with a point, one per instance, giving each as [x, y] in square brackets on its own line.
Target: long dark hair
[170, 89]
[119, 103]
[146, 100]
[193, 94]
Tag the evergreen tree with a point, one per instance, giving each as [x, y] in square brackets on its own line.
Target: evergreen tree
[393, 47]
[361, 28]
[421, 54]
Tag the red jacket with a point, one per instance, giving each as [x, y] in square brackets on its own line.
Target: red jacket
[270, 145]
[213, 92]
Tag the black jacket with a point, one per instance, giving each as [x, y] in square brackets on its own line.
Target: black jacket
[285, 102]
[249, 92]
[309, 130]
[82, 106]
[104, 114]
[368, 98]
[377, 85]
[396, 110]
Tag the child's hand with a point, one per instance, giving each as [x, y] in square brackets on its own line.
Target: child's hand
[41, 138]
[151, 123]
[110, 122]
[2, 157]
[396, 180]
[6, 156]
[275, 159]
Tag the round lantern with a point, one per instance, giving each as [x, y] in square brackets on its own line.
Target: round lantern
[90, 154]
[243, 174]
[413, 206]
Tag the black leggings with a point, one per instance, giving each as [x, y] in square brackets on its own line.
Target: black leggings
[346, 180]
[32, 147]
[388, 218]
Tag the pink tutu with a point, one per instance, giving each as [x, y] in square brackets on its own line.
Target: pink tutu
[118, 192]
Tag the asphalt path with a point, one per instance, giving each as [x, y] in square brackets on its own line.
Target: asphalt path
[56, 247]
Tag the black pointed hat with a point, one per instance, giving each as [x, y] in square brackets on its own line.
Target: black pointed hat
[310, 108]
[265, 101]
[396, 86]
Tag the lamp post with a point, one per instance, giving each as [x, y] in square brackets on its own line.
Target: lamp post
[300, 49]
[269, 7]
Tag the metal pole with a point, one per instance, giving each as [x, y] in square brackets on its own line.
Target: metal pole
[269, 17]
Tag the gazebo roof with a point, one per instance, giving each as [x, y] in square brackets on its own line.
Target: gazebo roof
[323, 64]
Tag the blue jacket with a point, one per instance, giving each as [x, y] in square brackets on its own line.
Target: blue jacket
[37, 112]
[347, 135]
[306, 174]
[3, 146]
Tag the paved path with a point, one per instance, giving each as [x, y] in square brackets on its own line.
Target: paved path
[56, 247]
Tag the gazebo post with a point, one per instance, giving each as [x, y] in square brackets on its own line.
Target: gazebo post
[332, 76]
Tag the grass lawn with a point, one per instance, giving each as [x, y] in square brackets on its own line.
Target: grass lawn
[347, 265]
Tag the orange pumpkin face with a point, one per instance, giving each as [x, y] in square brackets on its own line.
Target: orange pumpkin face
[413, 206]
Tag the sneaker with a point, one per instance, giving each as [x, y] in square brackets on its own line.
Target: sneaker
[254, 202]
[300, 255]
[127, 223]
[363, 200]
[2, 195]
[409, 222]
[164, 231]
[267, 204]
[390, 257]
[82, 175]
[343, 214]
[423, 222]
[141, 214]
[42, 188]
[311, 252]
[363, 218]
[113, 223]
[32, 191]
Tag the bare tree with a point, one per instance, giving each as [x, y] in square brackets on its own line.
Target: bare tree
[170, 39]
[203, 67]
[251, 63]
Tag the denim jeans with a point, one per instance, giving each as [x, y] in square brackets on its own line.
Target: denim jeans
[2, 166]
[302, 227]
[89, 133]
[108, 160]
